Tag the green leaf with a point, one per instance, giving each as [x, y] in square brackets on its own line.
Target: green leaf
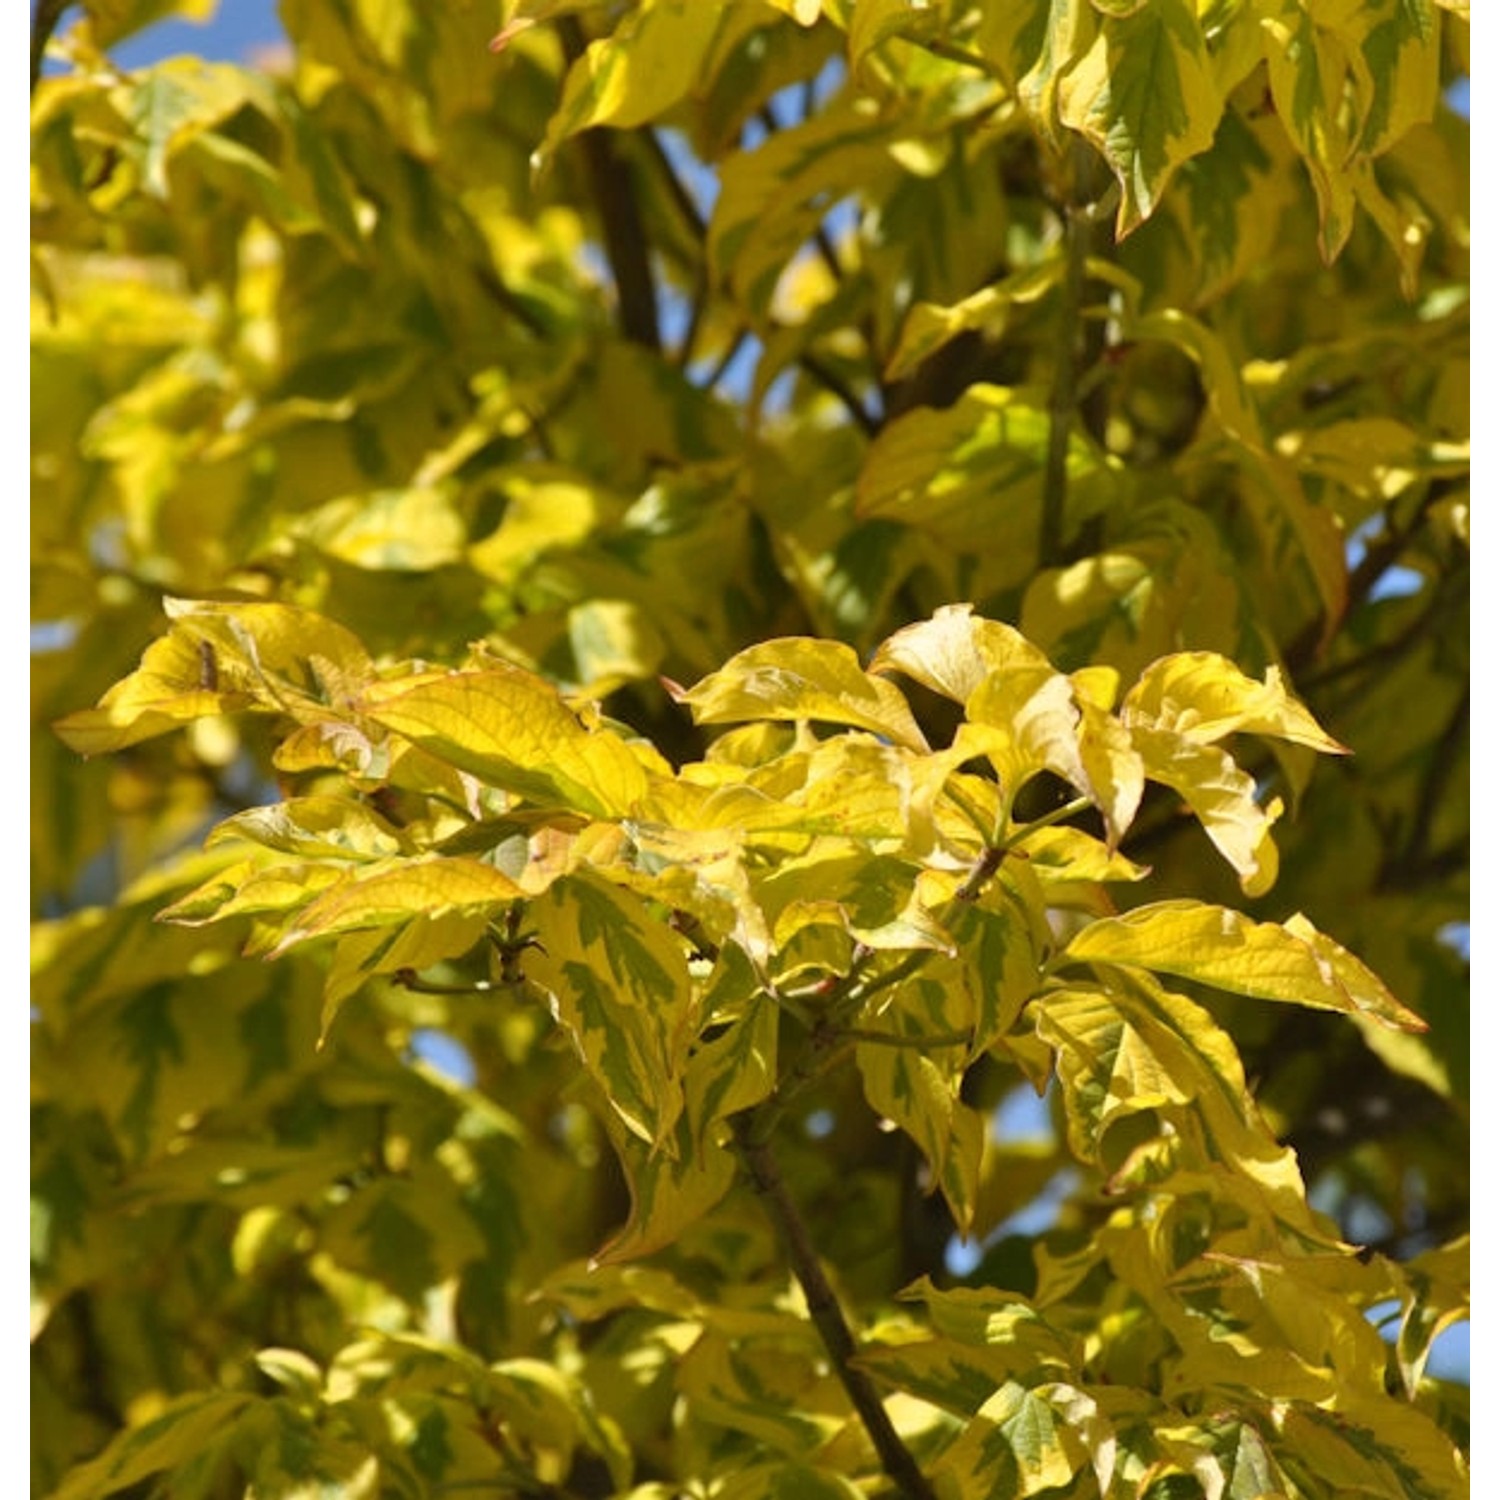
[170, 1438]
[1212, 945]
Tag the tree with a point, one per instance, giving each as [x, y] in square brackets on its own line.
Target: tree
[771, 580]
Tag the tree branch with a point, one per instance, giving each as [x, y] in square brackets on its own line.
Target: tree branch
[1064, 394]
[823, 1307]
[1090, 198]
[625, 243]
[48, 14]
[834, 384]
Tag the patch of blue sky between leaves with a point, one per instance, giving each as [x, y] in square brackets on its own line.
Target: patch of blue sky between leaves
[236, 32]
[1397, 581]
[960, 1257]
[1455, 935]
[444, 1053]
[1447, 1359]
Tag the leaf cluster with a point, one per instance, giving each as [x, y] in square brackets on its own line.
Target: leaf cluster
[1039, 433]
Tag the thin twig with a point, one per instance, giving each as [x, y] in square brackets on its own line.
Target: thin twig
[717, 373]
[834, 383]
[891, 1039]
[686, 204]
[823, 1307]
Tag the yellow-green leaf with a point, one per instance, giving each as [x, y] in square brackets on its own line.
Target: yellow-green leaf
[1145, 95]
[1221, 796]
[954, 651]
[668, 1191]
[971, 476]
[1018, 1445]
[620, 987]
[652, 59]
[1213, 945]
[321, 827]
[173, 1435]
[928, 327]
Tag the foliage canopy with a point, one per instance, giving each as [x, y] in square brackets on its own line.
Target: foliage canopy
[771, 580]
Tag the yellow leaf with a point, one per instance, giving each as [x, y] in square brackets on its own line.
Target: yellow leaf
[1213, 945]
[415, 888]
[1221, 796]
[803, 678]
[954, 651]
[1203, 697]
[174, 684]
[509, 728]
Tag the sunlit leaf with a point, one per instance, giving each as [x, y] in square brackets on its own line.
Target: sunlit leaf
[803, 679]
[509, 728]
[1292, 962]
[1203, 698]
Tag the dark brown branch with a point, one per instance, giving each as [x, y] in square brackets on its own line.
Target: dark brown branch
[1422, 628]
[48, 14]
[834, 384]
[823, 1307]
[682, 199]
[717, 373]
[625, 244]
[1377, 560]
